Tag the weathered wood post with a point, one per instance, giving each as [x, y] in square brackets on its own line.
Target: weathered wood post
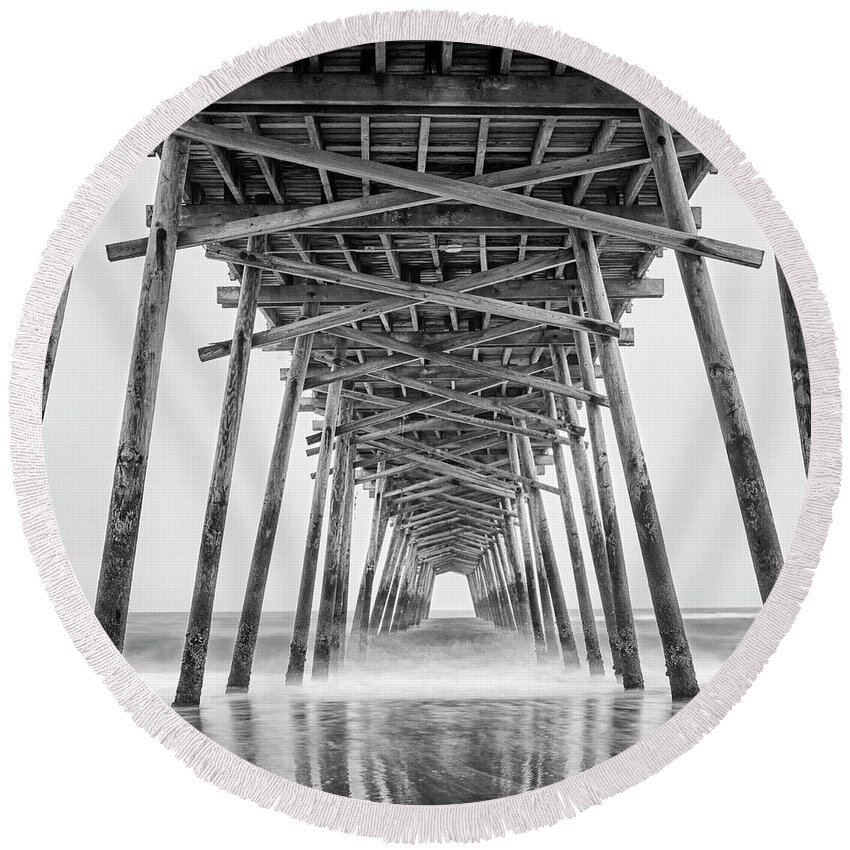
[585, 605]
[377, 612]
[503, 597]
[550, 562]
[473, 594]
[341, 602]
[587, 498]
[255, 588]
[301, 627]
[333, 555]
[514, 557]
[128, 485]
[668, 616]
[534, 600]
[506, 574]
[728, 401]
[508, 554]
[53, 343]
[197, 639]
[405, 579]
[380, 518]
[629, 654]
[799, 366]
[481, 591]
[550, 629]
[497, 600]
[398, 572]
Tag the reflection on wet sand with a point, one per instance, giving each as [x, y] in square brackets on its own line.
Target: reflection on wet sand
[452, 712]
[435, 752]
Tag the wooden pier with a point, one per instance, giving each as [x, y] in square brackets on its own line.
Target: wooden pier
[443, 240]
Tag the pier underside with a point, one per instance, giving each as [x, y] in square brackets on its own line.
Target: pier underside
[443, 242]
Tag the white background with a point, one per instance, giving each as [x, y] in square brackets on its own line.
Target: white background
[75, 79]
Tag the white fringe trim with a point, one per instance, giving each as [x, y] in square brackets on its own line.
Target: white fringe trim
[472, 821]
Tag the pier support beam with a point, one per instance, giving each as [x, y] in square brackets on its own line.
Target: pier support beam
[301, 627]
[513, 570]
[331, 577]
[799, 366]
[585, 605]
[383, 593]
[535, 607]
[53, 343]
[255, 589]
[550, 562]
[514, 555]
[668, 616]
[728, 401]
[587, 498]
[128, 485]
[629, 654]
[380, 517]
[341, 602]
[197, 640]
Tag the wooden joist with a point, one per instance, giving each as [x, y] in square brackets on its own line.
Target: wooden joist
[418, 94]
[439, 219]
[458, 190]
[416, 293]
[298, 219]
[380, 306]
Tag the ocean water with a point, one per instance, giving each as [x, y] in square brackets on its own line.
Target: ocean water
[450, 712]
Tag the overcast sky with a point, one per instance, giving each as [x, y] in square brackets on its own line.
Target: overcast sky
[681, 438]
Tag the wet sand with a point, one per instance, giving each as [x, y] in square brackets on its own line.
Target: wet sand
[450, 712]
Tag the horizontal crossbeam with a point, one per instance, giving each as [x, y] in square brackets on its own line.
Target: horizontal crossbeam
[447, 188]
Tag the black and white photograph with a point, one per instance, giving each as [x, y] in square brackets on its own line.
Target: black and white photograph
[427, 422]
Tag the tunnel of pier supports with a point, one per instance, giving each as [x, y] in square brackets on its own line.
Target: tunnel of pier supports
[443, 241]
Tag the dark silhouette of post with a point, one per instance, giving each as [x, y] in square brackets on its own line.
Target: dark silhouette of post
[322, 645]
[301, 627]
[799, 363]
[677, 652]
[566, 638]
[196, 645]
[128, 485]
[255, 589]
[753, 500]
[53, 343]
[380, 518]
[587, 498]
[629, 653]
[340, 622]
[585, 605]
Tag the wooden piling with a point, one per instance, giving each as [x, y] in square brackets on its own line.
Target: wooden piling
[392, 596]
[729, 403]
[323, 641]
[53, 343]
[550, 628]
[196, 644]
[128, 485]
[340, 622]
[513, 569]
[255, 589]
[514, 556]
[301, 627]
[585, 605]
[381, 596]
[668, 616]
[534, 599]
[566, 638]
[380, 517]
[629, 652]
[799, 366]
